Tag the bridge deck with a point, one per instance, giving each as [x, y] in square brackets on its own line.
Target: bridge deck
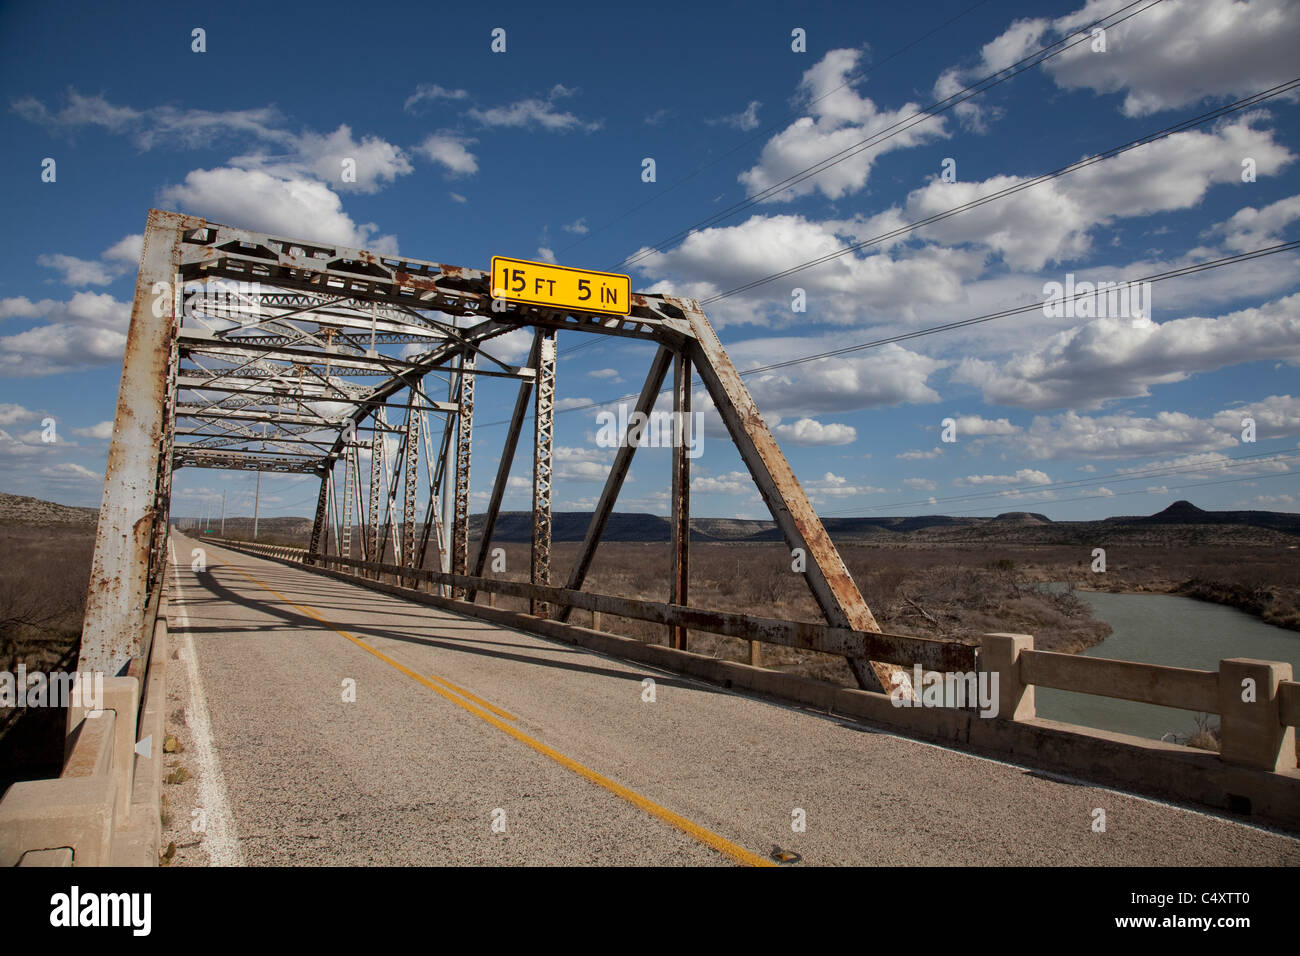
[455, 718]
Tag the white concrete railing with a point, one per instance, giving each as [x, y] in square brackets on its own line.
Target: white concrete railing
[104, 808]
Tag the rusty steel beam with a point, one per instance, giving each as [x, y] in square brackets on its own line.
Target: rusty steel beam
[464, 445]
[126, 567]
[378, 448]
[411, 482]
[503, 470]
[543, 448]
[654, 381]
[345, 539]
[679, 570]
[314, 550]
[832, 586]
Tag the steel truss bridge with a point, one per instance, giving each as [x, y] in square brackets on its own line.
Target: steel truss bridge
[248, 351]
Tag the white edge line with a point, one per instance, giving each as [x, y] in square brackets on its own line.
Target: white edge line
[219, 838]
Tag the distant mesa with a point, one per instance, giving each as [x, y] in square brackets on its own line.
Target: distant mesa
[1023, 517]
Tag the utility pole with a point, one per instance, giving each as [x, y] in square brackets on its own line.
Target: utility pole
[256, 501]
[223, 512]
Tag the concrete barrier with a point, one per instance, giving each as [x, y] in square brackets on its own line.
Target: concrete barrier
[104, 808]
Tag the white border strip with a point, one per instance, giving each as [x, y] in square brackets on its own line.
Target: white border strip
[219, 838]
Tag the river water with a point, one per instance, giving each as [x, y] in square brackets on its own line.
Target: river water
[1164, 629]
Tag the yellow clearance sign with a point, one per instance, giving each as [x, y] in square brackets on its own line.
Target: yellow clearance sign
[540, 283]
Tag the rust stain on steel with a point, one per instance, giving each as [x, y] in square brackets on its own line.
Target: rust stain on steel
[459, 272]
[836, 593]
[416, 282]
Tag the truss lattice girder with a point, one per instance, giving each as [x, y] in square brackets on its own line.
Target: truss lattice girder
[324, 303]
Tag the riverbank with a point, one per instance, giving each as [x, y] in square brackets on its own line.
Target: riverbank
[1272, 604]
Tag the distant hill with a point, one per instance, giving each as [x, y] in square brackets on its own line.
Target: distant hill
[1180, 523]
[19, 509]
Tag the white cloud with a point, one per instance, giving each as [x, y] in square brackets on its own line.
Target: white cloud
[831, 486]
[920, 484]
[457, 197]
[1053, 221]
[1251, 228]
[113, 262]
[535, 112]
[373, 161]
[16, 415]
[88, 329]
[167, 125]
[972, 426]
[69, 471]
[77, 272]
[432, 91]
[126, 250]
[545, 254]
[809, 431]
[1071, 435]
[1018, 41]
[1025, 476]
[732, 483]
[840, 119]
[1234, 47]
[101, 431]
[450, 151]
[746, 119]
[578, 226]
[259, 201]
[1108, 359]
[610, 373]
[920, 455]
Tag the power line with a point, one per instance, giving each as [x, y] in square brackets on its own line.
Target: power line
[1032, 307]
[983, 85]
[962, 323]
[769, 129]
[1018, 187]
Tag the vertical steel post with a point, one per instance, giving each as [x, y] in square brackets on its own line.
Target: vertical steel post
[133, 511]
[464, 443]
[543, 441]
[345, 539]
[681, 492]
[378, 448]
[503, 470]
[412, 480]
[318, 529]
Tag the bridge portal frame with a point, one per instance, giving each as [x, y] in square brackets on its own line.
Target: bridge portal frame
[245, 356]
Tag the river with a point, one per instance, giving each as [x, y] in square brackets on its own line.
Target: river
[1164, 629]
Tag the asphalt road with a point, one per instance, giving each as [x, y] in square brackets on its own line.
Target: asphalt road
[471, 743]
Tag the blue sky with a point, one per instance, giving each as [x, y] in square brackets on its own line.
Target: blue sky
[537, 152]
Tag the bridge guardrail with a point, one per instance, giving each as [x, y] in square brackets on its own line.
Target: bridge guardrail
[104, 808]
[1258, 702]
[891, 648]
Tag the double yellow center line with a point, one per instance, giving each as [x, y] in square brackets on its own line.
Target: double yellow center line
[498, 717]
